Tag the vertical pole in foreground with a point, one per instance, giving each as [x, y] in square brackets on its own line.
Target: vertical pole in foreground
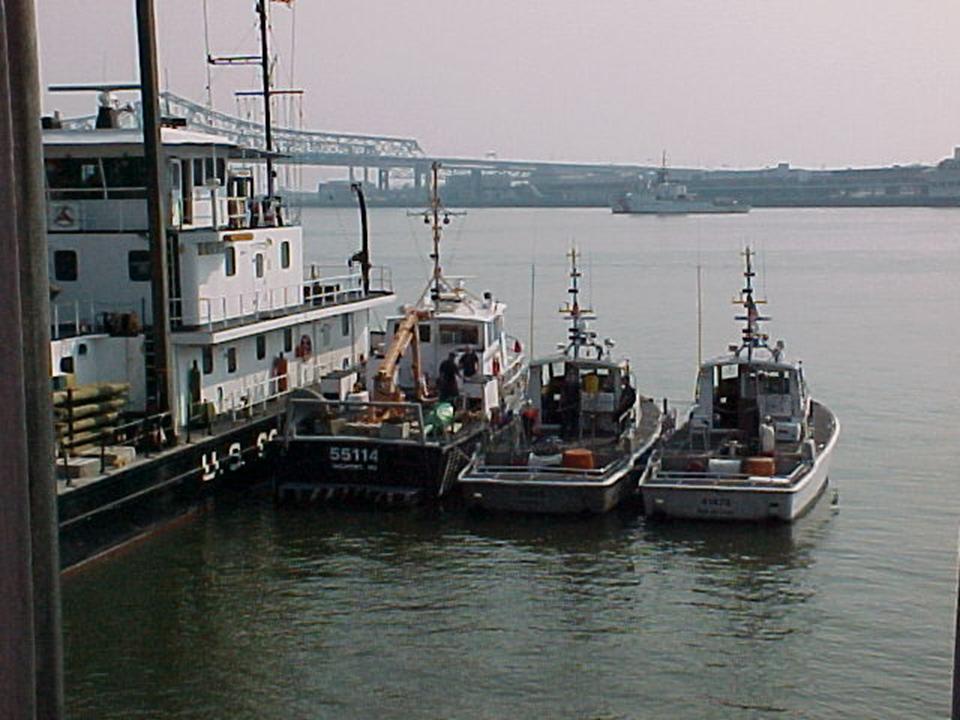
[955, 713]
[30, 646]
[34, 320]
[153, 163]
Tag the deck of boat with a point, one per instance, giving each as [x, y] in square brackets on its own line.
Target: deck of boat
[688, 449]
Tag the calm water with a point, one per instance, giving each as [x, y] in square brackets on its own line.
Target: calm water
[253, 612]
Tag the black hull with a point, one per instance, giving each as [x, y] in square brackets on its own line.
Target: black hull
[373, 470]
[128, 503]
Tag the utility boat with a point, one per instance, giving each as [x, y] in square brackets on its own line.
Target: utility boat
[401, 433]
[755, 446]
[583, 440]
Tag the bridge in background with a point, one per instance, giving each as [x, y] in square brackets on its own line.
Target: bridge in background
[389, 157]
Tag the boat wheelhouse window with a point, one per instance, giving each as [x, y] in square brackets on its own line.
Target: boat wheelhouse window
[216, 169]
[459, 335]
[66, 364]
[345, 324]
[258, 264]
[125, 177]
[230, 260]
[231, 360]
[285, 254]
[198, 172]
[74, 178]
[424, 331]
[261, 347]
[138, 265]
[288, 340]
[207, 360]
[65, 265]
[774, 383]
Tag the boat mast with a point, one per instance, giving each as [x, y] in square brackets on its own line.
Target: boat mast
[578, 335]
[434, 219]
[752, 337]
[265, 69]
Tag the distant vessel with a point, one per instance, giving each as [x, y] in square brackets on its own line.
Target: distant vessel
[661, 196]
[755, 446]
[584, 440]
[395, 436]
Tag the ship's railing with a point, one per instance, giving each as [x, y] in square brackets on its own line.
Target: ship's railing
[70, 319]
[148, 435]
[314, 292]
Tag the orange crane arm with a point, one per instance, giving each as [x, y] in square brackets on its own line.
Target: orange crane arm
[385, 388]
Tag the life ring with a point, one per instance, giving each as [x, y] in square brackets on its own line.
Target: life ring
[305, 348]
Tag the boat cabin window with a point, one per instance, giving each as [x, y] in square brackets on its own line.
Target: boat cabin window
[774, 383]
[285, 254]
[230, 260]
[74, 178]
[231, 360]
[66, 364]
[261, 347]
[424, 331]
[345, 324]
[215, 168]
[207, 360]
[125, 177]
[138, 265]
[258, 264]
[65, 265]
[288, 340]
[459, 335]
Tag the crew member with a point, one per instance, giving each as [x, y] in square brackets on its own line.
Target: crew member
[469, 363]
[447, 379]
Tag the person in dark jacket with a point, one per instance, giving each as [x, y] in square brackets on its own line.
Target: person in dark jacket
[447, 379]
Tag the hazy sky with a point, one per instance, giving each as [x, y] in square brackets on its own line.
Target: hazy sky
[744, 83]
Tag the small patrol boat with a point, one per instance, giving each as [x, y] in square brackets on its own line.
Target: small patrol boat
[584, 438]
[400, 434]
[755, 446]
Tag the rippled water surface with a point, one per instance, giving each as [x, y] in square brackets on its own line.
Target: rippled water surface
[249, 611]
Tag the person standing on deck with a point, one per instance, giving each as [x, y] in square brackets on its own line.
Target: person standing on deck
[469, 363]
[448, 373]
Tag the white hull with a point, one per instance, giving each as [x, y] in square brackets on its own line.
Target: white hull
[553, 496]
[754, 498]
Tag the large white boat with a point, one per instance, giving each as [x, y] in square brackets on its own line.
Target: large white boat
[399, 435]
[756, 445]
[584, 440]
[155, 410]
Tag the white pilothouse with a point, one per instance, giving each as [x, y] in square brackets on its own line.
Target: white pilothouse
[755, 445]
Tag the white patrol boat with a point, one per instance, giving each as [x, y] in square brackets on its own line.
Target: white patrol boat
[402, 434]
[756, 445]
[583, 441]
[169, 377]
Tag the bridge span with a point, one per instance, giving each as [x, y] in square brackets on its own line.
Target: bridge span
[387, 156]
